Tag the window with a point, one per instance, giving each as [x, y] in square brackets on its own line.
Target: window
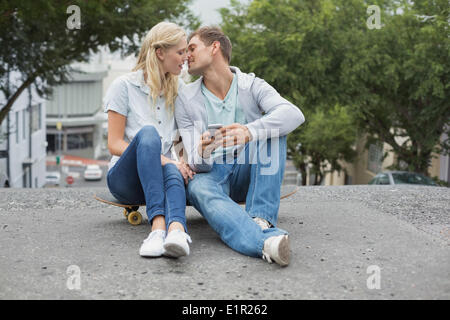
[383, 179]
[24, 124]
[35, 118]
[17, 127]
[51, 143]
[348, 179]
[79, 141]
[375, 157]
[411, 178]
[1, 132]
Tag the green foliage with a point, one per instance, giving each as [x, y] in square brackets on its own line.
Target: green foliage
[440, 182]
[398, 81]
[320, 53]
[292, 45]
[326, 140]
[35, 42]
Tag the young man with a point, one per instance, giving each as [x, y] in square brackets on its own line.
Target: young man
[243, 160]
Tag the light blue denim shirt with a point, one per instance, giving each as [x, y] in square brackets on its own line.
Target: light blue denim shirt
[226, 111]
[128, 95]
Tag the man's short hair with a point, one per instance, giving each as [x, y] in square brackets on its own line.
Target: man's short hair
[210, 34]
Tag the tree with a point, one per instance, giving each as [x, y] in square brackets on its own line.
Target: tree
[398, 80]
[319, 53]
[36, 43]
[294, 46]
[324, 143]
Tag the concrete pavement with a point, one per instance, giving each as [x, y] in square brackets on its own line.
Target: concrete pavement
[345, 241]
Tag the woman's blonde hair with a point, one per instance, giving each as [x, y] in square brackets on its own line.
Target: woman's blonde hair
[164, 35]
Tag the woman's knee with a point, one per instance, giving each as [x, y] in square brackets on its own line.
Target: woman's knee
[149, 135]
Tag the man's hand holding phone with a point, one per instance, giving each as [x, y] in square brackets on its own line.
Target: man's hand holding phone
[223, 136]
[235, 134]
[210, 140]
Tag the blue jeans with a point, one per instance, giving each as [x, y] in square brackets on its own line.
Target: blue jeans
[138, 177]
[255, 176]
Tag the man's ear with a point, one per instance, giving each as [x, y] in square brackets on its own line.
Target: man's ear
[160, 54]
[215, 47]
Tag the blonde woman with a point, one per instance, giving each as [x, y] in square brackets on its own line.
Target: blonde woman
[141, 129]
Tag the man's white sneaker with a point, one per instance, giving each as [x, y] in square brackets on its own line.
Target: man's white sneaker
[176, 244]
[153, 245]
[277, 249]
[263, 223]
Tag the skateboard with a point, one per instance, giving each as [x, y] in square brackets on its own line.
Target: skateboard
[134, 217]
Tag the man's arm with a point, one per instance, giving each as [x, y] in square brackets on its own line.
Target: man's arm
[190, 135]
[281, 116]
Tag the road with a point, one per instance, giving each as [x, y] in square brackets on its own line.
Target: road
[350, 242]
[79, 181]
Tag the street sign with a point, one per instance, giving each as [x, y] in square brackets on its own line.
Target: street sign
[59, 126]
[69, 179]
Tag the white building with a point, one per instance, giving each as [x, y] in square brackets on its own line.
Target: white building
[75, 121]
[23, 145]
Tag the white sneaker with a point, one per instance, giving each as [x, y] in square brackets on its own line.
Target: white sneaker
[176, 244]
[263, 223]
[153, 245]
[277, 249]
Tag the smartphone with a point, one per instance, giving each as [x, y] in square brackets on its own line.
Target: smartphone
[213, 127]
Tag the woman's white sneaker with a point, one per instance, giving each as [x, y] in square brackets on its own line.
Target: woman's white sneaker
[153, 245]
[176, 244]
[277, 249]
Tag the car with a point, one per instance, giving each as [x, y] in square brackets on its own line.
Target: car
[402, 177]
[93, 172]
[53, 178]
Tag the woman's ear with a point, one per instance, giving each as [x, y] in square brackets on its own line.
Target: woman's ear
[160, 54]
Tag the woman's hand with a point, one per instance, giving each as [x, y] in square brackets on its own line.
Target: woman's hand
[185, 170]
[182, 166]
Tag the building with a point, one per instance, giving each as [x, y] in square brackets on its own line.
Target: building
[75, 121]
[23, 140]
[370, 161]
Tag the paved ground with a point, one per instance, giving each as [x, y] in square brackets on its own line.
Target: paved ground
[337, 235]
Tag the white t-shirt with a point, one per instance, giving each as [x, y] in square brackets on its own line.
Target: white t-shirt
[128, 95]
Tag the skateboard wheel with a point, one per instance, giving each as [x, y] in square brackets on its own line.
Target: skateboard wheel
[125, 213]
[135, 218]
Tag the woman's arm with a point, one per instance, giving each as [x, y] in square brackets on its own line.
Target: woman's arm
[117, 146]
[165, 160]
[116, 130]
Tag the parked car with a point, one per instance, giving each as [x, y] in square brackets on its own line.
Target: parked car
[93, 172]
[53, 178]
[402, 177]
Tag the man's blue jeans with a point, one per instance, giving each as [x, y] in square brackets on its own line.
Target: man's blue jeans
[255, 177]
[138, 177]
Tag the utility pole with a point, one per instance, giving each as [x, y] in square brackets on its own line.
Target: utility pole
[58, 157]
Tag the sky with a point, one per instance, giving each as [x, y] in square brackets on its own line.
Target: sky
[207, 10]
